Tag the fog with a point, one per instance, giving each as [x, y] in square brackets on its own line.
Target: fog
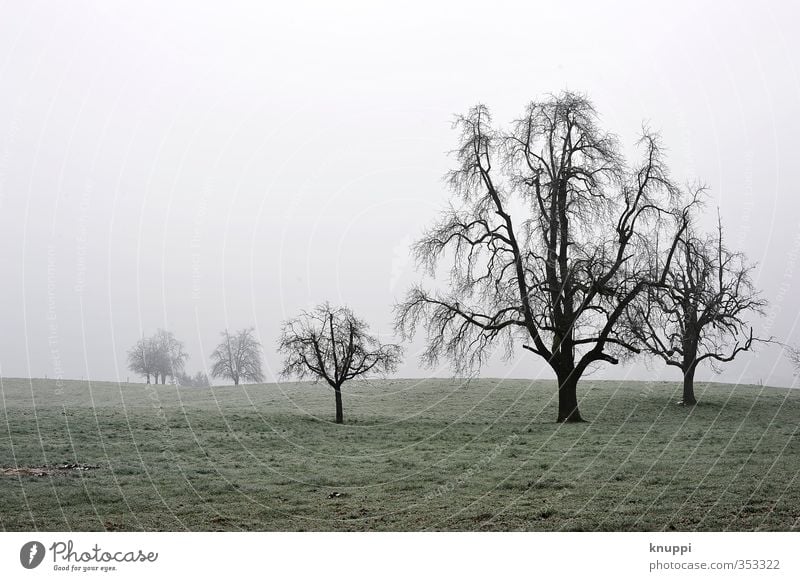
[194, 166]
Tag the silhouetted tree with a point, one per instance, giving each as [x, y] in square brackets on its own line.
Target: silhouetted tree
[332, 344]
[561, 274]
[700, 314]
[238, 357]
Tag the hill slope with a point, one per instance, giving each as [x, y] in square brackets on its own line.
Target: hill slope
[412, 455]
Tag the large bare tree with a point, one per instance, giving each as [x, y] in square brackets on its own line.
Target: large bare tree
[238, 357]
[549, 234]
[701, 312]
[332, 344]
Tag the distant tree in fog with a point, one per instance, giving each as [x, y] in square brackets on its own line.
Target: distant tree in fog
[159, 356]
[171, 356]
[199, 379]
[142, 359]
[333, 345]
[238, 357]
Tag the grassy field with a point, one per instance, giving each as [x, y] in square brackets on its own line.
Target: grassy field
[413, 455]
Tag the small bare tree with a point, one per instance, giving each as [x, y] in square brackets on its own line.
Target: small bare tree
[238, 357]
[700, 313]
[548, 235]
[334, 345]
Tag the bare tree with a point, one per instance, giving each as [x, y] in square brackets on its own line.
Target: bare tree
[792, 353]
[561, 275]
[142, 359]
[170, 355]
[238, 357]
[161, 355]
[334, 345]
[700, 313]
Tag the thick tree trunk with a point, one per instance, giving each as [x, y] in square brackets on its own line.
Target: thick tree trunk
[339, 412]
[688, 387]
[148, 378]
[568, 397]
[163, 378]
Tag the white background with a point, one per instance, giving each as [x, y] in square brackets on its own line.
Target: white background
[196, 165]
[371, 556]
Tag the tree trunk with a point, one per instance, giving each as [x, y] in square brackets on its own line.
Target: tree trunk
[568, 397]
[688, 386]
[236, 381]
[339, 413]
[163, 378]
[148, 378]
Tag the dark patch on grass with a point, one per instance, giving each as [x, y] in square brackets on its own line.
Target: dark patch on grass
[39, 471]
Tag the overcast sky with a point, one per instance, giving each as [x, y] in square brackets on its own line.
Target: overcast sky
[196, 166]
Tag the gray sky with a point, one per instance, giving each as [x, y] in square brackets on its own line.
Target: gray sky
[196, 166]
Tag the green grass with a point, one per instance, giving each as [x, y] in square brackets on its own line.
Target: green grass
[413, 455]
